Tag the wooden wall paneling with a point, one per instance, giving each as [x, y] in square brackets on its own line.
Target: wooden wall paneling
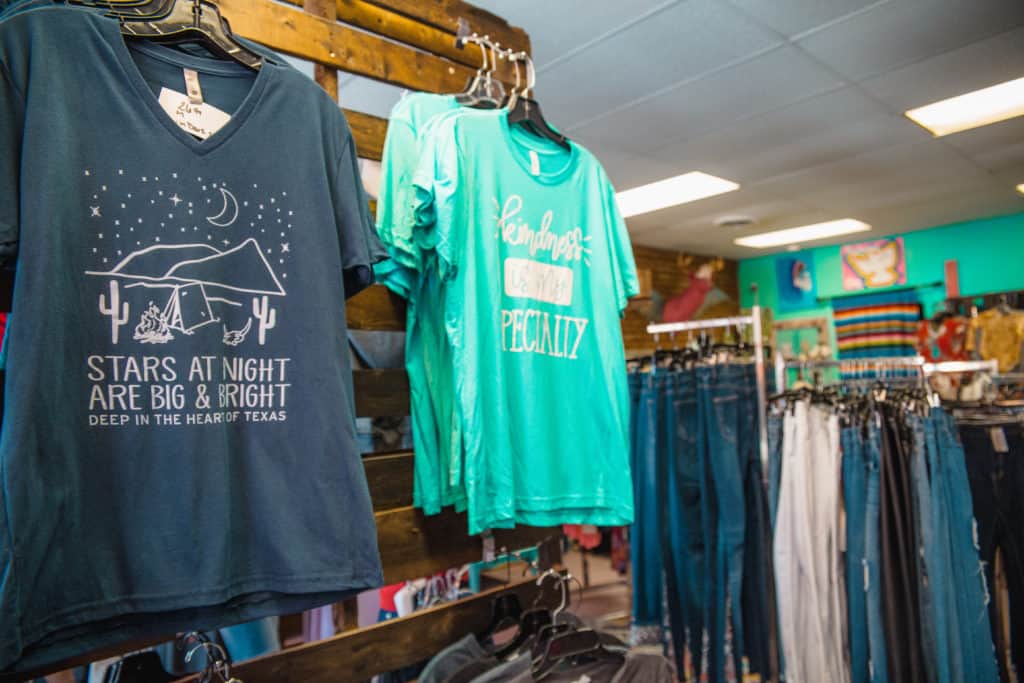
[357, 656]
[335, 45]
[408, 31]
[377, 308]
[413, 544]
[325, 76]
[669, 274]
[445, 14]
[381, 393]
[368, 132]
[390, 478]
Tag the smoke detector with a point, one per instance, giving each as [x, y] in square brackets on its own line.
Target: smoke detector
[734, 222]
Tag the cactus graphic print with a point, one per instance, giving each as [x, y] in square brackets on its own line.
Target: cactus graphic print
[204, 274]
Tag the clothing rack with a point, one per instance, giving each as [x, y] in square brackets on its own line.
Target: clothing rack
[754, 321]
[886, 362]
[408, 44]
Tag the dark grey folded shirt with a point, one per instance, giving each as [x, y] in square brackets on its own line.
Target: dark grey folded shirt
[634, 668]
[449, 660]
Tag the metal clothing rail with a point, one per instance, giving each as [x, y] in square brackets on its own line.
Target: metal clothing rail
[886, 362]
[753, 320]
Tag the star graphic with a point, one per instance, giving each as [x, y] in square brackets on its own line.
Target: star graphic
[103, 188]
[100, 235]
[122, 205]
[157, 239]
[272, 200]
[120, 171]
[86, 172]
[176, 199]
[174, 175]
[285, 248]
[227, 242]
[261, 207]
[282, 234]
[95, 212]
[160, 193]
[145, 179]
[284, 275]
[280, 260]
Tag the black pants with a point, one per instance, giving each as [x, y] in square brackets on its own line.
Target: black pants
[997, 490]
[899, 557]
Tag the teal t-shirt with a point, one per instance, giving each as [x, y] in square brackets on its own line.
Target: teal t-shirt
[426, 357]
[537, 268]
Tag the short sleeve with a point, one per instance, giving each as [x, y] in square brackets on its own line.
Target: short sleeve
[395, 198]
[435, 183]
[357, 235]
[624, 277]
[11, 125]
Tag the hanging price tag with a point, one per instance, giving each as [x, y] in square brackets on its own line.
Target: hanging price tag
[999, 443]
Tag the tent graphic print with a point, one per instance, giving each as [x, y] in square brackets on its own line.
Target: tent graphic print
[197, 275]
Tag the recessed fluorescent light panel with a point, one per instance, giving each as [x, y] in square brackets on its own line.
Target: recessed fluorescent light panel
[974, 109]
[681, 189]
[804, 233]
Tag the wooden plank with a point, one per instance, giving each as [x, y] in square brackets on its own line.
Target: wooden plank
[376, 308]
[296, 33]
[381, 393]
[390, 478]
[445, 14]
[416, 33]
[357, 656]
[368, 132]
[413, 544]
[325, 76]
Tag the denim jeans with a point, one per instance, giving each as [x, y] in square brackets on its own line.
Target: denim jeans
[930, 574]
[645, 537]
[855, 477]
[758, 587]
[719, 387]
[971, 576]
[685, 441]
[878, 670]
[774, 462]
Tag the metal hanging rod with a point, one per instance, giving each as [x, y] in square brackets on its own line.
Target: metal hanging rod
[990, 366]
[668, 328]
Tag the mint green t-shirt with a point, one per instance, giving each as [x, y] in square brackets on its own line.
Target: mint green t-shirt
[537, 267]
[427, 358]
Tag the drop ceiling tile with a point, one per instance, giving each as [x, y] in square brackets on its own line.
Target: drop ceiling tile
[681, 42]
[793, 17]
[978, 65]
[895, 34]
[809, 133]
[992, 146]
[773, 80]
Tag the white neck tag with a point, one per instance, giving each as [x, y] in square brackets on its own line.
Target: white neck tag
[534, 163]
[200, 120]
[195, 93]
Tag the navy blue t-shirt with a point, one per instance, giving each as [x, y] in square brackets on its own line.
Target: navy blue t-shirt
[178, 443]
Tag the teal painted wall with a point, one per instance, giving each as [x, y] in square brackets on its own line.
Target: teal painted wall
[990, 254]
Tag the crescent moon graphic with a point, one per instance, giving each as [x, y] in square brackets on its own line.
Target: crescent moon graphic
[230, 207]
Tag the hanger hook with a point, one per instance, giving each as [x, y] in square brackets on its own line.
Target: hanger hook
[515, 58]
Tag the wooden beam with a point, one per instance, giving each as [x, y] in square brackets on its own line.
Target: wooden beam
[325, 76]
[368, 132]
[390, 478]
[376, 308]
[381, 393]
[445, 14]
[413, 544]
[299, 34]
[357, 656]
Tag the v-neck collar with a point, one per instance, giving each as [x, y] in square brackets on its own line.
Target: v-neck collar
[112, 32]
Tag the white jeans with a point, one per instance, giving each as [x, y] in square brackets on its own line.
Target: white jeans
[810, 587]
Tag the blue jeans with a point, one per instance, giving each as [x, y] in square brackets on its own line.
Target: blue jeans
[877, 657]
[930, 572]
[645, 537]
[685, 439]
[855, 476]
[774, 463]
[725, 514]
[968, 575]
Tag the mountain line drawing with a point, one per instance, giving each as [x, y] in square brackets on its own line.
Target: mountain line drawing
[241, 269]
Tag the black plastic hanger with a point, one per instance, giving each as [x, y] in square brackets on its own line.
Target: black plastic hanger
[583, 642]
[525, 111]
[191, 21]
[530, 624]
[143, 667]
